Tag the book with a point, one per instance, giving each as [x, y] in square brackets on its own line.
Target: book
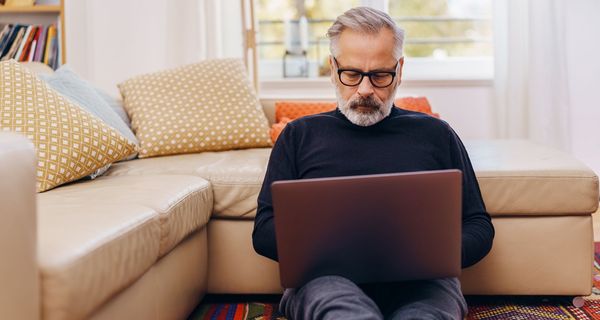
[17, 55]
[54, 54]
[39, 50]
[16, 42]
[9, 40]
[32, 51]
[49, 40]
[59, 47]
[6, 32]
[28, 41]
[34, 43]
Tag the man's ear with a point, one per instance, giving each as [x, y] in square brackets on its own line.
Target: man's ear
[400, 65]
[331, 72]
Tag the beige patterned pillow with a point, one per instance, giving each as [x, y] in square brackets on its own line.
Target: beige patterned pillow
[208, 106]
[70, 142]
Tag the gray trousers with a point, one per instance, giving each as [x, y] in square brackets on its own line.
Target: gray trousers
[335, 297]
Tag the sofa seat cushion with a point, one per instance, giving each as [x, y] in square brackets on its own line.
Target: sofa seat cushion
[236, 176]
[519, 177]
[183, 203]
[87, 253]
[516, 177]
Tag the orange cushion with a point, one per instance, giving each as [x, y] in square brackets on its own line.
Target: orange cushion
[276, 128]
[419, 104]
[286, 111]
[296, 109]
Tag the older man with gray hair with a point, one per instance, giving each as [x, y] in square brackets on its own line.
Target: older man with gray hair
[367, 134]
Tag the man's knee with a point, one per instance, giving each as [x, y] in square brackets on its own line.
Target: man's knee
[434, 299]
[320, 290]
[328, 294]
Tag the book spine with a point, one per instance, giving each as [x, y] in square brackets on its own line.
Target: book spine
[14, 44]
[23, 43]
[34, 43]
[39, 51]
[51, 35]
[5, 38]
[59, 47]
[5, 31]
[29, 41]
[54, 60]
[32, 51]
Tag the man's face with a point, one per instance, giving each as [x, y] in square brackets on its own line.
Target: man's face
[366, 104]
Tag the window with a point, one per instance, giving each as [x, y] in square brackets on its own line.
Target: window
[291, 39]
[445, 28]
[445, 38]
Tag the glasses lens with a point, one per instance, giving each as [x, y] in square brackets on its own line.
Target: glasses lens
[382, 79]
[350, 78]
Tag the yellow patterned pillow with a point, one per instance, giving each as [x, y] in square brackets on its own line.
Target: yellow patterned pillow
[208, 106]
[70, 142]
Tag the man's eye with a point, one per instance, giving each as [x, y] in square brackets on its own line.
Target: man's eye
[381, 75]
[351, 74]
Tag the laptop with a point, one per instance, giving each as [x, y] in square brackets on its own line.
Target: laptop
[369, 228]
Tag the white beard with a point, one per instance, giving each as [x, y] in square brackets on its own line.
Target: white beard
[364, 119]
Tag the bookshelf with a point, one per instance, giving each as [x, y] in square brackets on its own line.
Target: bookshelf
[30, 9]
[38, 14]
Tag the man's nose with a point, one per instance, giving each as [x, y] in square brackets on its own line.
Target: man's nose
[365, 88]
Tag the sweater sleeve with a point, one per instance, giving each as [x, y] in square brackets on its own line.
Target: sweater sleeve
[281, 167]
[477, 229]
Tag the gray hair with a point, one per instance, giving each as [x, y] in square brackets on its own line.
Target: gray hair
[365, 20]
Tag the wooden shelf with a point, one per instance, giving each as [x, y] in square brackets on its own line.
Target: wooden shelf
[30, 9]
[29, 14]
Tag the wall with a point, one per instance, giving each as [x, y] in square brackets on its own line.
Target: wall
[583, 46]
[468, 108]
[109, 41]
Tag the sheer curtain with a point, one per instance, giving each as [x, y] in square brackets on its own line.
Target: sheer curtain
[220, 26]
[531, 78]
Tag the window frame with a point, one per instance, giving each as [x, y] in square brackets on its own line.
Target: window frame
[417, 72]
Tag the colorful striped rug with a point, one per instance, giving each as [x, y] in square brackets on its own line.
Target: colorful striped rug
[492, 310]
[488, 308]
[534, 308]
[237, 311]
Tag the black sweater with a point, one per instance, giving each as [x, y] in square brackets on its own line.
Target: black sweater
[329, 145]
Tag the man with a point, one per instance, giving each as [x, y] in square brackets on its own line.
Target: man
[367, 134]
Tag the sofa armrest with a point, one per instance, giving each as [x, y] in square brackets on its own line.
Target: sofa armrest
[19, 292]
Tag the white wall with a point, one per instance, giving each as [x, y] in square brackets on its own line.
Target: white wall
[109, 41]
[467, 108]
[583, 47]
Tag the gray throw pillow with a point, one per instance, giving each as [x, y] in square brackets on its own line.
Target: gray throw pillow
[116, 105]
[69, 84]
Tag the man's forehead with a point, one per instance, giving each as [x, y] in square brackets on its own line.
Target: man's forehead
[355, 49]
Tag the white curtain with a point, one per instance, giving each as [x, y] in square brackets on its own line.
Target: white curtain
[219, 22]
[531, 79]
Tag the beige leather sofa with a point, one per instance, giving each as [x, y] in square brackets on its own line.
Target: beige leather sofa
[150, 238]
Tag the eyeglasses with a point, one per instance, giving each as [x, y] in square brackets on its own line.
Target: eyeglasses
[353, 77]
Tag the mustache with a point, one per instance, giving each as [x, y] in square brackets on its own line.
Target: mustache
[364, 102]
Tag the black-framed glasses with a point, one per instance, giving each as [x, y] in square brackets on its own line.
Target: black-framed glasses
[353, 77]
